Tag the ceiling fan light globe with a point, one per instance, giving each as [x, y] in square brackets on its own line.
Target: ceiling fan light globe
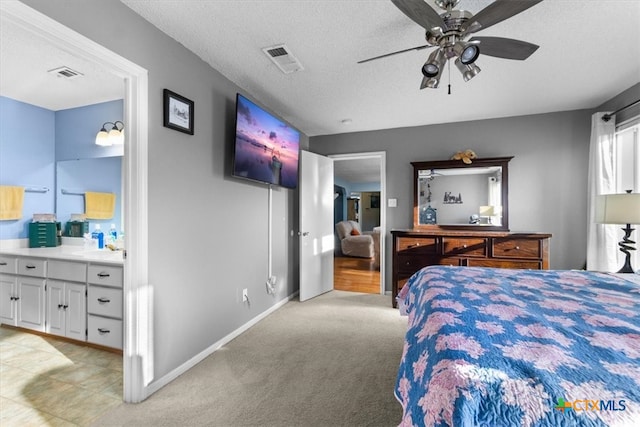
[470, 54]
[467, 52]
[430, 70]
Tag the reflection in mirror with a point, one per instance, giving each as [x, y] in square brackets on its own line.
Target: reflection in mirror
[459, 196]
[75, 177]
[453, 194]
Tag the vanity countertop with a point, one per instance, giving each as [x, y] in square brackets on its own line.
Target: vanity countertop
[69, 253]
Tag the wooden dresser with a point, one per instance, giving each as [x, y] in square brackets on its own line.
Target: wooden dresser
[415, 249]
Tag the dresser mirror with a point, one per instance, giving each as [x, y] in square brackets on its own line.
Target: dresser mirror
[452, 194]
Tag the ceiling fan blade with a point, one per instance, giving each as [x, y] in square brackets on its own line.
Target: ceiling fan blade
[496, 12]
[395, 53]
[420, 12]
[505, 48]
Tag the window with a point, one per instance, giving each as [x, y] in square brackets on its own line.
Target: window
[626, 151]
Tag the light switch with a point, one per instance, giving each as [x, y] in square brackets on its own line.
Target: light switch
[393, 203]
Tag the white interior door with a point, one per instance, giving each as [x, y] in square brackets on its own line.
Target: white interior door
[316, 225]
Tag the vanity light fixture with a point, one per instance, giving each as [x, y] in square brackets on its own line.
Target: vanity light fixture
[115, 136]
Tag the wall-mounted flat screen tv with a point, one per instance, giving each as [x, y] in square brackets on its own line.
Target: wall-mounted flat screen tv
[266, 149]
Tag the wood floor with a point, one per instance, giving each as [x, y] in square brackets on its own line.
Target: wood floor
[355, 275]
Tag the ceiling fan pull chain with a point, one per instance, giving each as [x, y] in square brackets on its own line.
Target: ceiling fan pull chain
[449, 68]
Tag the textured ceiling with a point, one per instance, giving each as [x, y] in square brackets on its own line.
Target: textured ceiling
[25, 61]
[589, 52]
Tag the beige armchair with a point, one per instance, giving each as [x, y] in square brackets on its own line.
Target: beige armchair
[352, 241]
[376, 247]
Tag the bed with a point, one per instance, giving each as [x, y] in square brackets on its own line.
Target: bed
[499, 347]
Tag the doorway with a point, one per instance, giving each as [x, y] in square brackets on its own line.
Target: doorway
[360, 181]
[137, 349]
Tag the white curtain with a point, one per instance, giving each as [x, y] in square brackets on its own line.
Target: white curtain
[602, 239]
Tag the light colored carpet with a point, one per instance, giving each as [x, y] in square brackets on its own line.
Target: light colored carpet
[330, 361]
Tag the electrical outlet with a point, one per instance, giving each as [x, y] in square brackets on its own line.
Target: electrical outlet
[245, 295]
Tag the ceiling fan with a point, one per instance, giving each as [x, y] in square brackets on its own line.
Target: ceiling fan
[449, 30]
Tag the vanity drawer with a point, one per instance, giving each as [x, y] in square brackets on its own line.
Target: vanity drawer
[105, 275]
[104, 301]
[423, 245]
[32, 267]
[8, 264]
[67, 270]
[104, 331]
[465, 246]
[516, 248]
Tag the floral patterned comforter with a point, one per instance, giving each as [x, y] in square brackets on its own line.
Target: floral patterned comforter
[498, 347]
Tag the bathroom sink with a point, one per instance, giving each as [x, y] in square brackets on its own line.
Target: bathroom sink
[100, 254]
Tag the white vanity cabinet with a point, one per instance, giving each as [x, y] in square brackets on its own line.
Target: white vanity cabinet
[66, 299]
[22, 291]
[8, 291]
[104, 305]
[63, 291]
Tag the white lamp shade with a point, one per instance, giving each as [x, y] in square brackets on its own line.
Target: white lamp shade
[486, 211]
[116, 137]
[618, 209]
[102, 139]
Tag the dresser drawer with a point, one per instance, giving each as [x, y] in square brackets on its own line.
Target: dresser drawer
[516, 248]
[105, 275]
[104, 301]
[104, 331]
[504, 263]
[423, 245]
[465, 246]
[32, 267]
[8, 264]
[67, 270]
[409, 263]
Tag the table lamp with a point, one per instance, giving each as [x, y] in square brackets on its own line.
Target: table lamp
[488, 212]
[620, 209]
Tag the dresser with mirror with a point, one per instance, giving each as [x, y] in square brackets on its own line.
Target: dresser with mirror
[461, 218]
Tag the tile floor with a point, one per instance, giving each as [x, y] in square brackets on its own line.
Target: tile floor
[49, 382]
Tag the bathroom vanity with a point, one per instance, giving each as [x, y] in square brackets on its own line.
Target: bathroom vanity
[65, 291]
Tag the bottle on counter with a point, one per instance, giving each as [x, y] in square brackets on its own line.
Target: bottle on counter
[113, 234]
[98, 236]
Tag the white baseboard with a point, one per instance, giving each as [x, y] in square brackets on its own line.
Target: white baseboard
[166, 379]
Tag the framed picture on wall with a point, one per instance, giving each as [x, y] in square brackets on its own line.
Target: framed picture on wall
[375, 201]
[178, 112]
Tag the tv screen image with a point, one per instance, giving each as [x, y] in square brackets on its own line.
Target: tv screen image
[266, 148]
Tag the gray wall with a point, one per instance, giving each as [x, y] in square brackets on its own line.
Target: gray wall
[208, 231]
[547, 176]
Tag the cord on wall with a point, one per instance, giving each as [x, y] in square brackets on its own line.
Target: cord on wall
[271, 279]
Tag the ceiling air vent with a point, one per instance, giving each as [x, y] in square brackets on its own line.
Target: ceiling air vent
[283, 58]
[65, 72]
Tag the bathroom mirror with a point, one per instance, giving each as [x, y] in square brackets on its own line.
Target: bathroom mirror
[75, 177]
[452, 194]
